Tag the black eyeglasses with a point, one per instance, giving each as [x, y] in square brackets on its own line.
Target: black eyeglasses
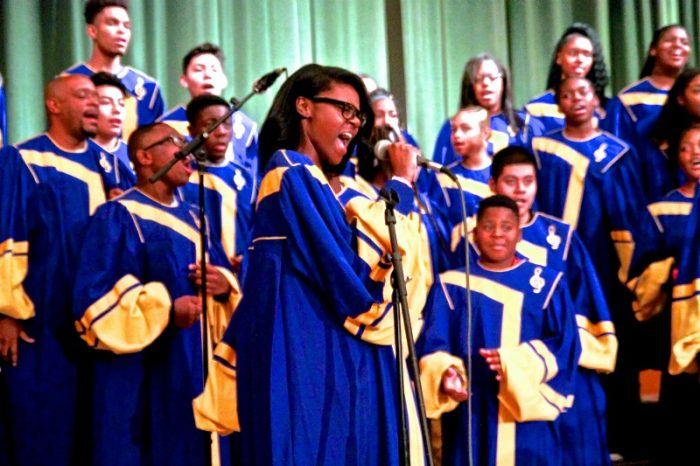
[175, 140]
[349, 111]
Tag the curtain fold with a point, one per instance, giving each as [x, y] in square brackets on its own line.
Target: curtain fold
[43, 37]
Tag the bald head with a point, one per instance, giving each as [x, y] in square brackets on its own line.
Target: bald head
[71, 105]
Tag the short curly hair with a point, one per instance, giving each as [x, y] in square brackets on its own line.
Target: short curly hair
[93, 8]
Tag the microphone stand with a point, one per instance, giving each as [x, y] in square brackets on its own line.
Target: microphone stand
[401, 313]
[195, 147]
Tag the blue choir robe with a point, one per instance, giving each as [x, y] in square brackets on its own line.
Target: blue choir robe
[502, 135]
[658, 173]
[144, 104]
[243, 149]
[633, 112]
[548, 241]
[145, 371]
[592, 186]
[125, 171]
[663, 236]
[46, 197]
[229, 204]
[526, 313]
[545, 110]
[302, 371]
[685, 307]
[445, 195]
[3, 114]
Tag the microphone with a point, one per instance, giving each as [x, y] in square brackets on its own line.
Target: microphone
[382, 146]
[265, 81]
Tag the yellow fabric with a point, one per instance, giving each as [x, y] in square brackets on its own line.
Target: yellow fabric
[131, 116]
[646, 98]
[271, 183]
[229, 208]
[179, 126]
[458, 232]
[579, 168]
[534, 252]
[368, 217]
[93, 180]
[670, 208]
[158, 215]
[544, 110]
[432, 368]
[598, 344]
[14, 301]
[128, 318]
[522, 390]
[216, 409]
[624, 245]
[499, 140]
[685, 328]
[650, 297]
[468, 185]
[220, 313]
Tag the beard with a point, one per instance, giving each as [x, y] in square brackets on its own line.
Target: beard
[87, 132]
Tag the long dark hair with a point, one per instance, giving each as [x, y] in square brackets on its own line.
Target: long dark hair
[282, 126]
[597, 75]
[674, 117]
[650, 61]
[468, 97]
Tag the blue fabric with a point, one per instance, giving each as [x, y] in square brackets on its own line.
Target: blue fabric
[244, 136]
[240, 181]
[49, 209]
[309, 392]
[446, 329]
[141, 403]
[150, 104]
[444, 152]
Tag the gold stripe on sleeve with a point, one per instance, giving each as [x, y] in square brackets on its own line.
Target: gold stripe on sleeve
[14, 301]
[127, 318]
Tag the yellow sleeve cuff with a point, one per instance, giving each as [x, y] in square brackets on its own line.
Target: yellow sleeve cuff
[216, 409]
[432, 368]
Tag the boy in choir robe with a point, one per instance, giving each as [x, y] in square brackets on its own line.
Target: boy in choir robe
[136, 304]
[587, 177]
[550, 242]
[109, 28]
[470, 134]
[111, 94]
[501, 371]
[203, 73]
[49, 186]
[230, 189]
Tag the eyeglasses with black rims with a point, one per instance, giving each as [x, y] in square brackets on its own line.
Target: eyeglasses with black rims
[348, 110]
[173, 139]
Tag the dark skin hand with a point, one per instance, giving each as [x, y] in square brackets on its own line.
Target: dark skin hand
[453, 385]
[216, 282]
[493, 359]
[186, 311]
[11, 332]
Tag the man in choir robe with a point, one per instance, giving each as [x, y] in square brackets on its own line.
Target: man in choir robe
[49, 186]
[136, 303]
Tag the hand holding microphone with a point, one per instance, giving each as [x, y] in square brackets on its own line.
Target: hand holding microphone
[401, 156]
[382, 150]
